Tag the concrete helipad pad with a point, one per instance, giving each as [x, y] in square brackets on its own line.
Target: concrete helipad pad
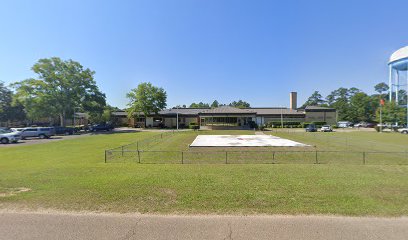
[243, 141]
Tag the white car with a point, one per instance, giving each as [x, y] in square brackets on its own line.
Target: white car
[403, 130]
[326, 128]
[361, 124]
[344, 124]
[8, 136]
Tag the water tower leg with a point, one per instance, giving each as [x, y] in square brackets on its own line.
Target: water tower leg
[397, 87]
[390, 82]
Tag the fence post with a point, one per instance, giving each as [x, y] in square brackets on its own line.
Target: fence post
[182, 157]
[161, 135]
[137, 145]
[273, 157]
[364, 158]
[122, 151]
[226, 157]
[105, 156]
[317, 162]
[138, 155]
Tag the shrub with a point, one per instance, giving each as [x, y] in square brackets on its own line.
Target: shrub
[193, 125]
[252, 124]
[286, 124]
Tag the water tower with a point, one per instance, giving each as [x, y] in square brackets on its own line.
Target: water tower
[398, 72]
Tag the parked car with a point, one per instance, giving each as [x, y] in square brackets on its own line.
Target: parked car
[40, 132]
[311, 128]
[384, 125]
[403, 130]
[344, 124]
[326, 128]
[9, 136]
[64, 130]
[364, 125]
[101, 127]
[360, 124]
[370, 125]
[17, 129]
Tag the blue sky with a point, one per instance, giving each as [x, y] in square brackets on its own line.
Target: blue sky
[201, 50]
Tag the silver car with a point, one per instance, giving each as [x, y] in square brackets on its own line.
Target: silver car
[40, 132]
[326, 128]
[9, 136]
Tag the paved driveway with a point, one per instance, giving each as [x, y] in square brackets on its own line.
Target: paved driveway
[114, 226]
[31, 141]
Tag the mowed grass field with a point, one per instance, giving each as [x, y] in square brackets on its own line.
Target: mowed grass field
[71, 175]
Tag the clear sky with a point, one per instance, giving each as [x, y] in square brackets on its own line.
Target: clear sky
[201, 50]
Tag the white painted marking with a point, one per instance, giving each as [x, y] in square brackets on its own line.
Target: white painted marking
[244, 141]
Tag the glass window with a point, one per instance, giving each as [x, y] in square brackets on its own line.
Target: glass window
[140, 119]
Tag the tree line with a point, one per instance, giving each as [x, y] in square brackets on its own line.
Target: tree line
[63, 87]
[354, 105]
[215, 103]
[60, 89]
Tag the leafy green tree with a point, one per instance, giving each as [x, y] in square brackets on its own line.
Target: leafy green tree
[215, 104]
[361, 108]
[381, 87]
[180, 106]
[5, 99]
[316, 99]
[392, 113]
[146, 99]
[105, 116]
[240, 104]
[10, 109]
[340, 100]
[402, 97]
[199, 105]
[60, 87]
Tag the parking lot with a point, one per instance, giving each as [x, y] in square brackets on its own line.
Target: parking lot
[36, 140]
[31, 141]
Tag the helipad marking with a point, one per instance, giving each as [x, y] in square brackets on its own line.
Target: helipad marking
[243, 141]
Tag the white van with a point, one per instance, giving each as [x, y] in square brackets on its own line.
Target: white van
[344, 124]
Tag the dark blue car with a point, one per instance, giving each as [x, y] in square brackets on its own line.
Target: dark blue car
[101, 127]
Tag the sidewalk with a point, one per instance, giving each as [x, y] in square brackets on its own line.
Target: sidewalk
[23, 225]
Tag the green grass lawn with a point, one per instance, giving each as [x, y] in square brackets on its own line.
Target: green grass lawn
[71, 175]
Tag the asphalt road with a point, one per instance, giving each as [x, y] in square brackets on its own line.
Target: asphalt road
[22, 225]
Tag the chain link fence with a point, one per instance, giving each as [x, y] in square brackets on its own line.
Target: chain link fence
[255, 157]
